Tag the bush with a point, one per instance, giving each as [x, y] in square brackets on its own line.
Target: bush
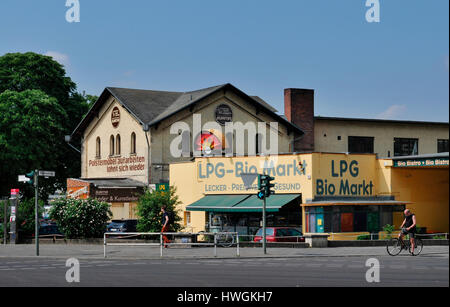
[388, 229]
[363, 237]
[26, 216]
[149, 210]
[81, 218]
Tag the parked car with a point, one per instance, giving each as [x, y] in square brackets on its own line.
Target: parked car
[122, 226]
[280, 234]
[49, 228]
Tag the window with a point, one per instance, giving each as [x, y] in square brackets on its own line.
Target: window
[406, 147]
[187, 218]
[98, 153]
[133, 143]
[111, 145]
[360, 144]
[442, 145]
[118, 144]
[258, 143]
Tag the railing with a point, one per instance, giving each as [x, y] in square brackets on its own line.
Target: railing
[381, 235]
[278, 239]
[161, 242]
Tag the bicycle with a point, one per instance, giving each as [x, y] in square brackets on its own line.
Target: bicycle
[225, 239]
[395, 245]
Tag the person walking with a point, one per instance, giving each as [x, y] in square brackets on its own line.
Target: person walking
[165, 222]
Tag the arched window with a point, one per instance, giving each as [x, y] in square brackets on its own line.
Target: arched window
[133, 143]
[111, 145]
[98, 152]
[118, 144]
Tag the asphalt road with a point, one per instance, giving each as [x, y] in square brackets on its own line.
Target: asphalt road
[430, 270]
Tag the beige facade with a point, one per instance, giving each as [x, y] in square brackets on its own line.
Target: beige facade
[331, 135]
[157, 151]
[118, 165]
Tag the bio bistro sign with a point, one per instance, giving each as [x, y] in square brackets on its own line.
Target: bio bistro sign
[421, 162]
[344, 180]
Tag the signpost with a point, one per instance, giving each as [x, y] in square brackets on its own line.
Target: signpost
[12, 218]
[32, 178]
[264, 190]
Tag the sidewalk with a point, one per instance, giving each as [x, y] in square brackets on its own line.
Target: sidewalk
[152, 252]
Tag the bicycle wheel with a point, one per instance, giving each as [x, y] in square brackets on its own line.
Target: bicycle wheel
[225, 240]
[418, 247]
[394, 247]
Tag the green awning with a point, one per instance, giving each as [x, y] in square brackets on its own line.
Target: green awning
[273, 203]
[216, 203]
[240, 203]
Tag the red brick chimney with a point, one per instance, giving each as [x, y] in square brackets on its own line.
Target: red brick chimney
[299, 110]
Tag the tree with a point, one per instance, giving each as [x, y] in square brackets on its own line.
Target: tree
[149, 210]
[20, 72]
[30, 123]
[81, 218]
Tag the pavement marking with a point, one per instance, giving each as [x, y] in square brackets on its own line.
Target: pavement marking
[355, 266]
[398, 266]
[441, 268]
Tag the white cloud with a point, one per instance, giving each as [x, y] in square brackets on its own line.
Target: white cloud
[61, 58]
[393, 112]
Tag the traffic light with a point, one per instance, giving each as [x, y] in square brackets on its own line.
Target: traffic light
[30, 175]
[269, 186]
[265, 186]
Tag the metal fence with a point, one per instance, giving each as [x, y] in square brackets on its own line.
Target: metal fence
[219, 239]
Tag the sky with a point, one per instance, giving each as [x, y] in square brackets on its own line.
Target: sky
[397, 68]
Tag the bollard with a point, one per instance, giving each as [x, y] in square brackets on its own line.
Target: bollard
[104, 245]
[215, 246]
[237, 244]
[161, 244]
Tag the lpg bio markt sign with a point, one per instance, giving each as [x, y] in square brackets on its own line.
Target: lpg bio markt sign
[224, 175]
[116, 165]
[344, 178]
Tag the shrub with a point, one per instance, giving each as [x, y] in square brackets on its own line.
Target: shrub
[388, 229]
[363, 237]
[149, 210]
[81, 218]
[26, 216]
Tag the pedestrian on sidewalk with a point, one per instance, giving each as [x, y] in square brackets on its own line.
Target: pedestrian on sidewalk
[165, 222]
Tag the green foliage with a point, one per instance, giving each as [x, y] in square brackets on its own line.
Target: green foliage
[149, 210]
[38, 106]
[1, 217]
[81, 218]
[388, 229]
[439, 237]
[363, 237]
[32, 71]
[30, 122]
[26, 218]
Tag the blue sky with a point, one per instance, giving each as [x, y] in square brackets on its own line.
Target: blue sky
[398, 68]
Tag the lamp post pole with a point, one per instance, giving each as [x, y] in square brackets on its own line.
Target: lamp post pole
[36, 208]
[264, 225]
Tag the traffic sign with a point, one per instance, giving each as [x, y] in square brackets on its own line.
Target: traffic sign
[14, 192]
[248, 179]
[46, 173]
[23, 178]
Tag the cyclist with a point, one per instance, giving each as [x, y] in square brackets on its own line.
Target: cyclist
[409, 227]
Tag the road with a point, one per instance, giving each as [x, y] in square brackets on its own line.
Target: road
[430, 270]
